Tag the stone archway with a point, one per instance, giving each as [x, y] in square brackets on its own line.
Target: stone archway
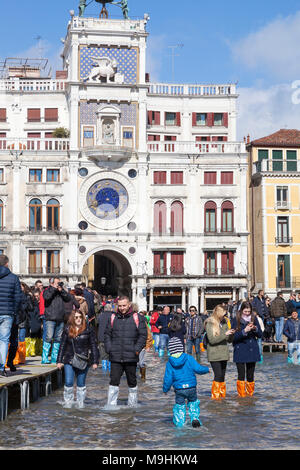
[111, 266]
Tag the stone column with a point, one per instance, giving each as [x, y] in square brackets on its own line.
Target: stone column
[183, 299]
[202, 300]
[151, 299]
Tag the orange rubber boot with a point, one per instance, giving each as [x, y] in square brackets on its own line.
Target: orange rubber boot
[21, 354]
[202, 348]
[240, 385]
[222, 389]
[216, 390]
[250, 388]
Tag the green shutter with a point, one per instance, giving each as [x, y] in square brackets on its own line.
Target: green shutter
[277, 160]
[291, 157]
[287, 269]
[262, 155]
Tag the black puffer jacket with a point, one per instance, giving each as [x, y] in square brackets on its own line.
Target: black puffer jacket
[10, 292]
[103, 320]
[123, 340]
[55, 303]
[84, 343]
[25, 311]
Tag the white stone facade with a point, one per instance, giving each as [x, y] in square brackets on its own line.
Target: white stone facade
[109, 175]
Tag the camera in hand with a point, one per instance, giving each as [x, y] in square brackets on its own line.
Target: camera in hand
[60, 284]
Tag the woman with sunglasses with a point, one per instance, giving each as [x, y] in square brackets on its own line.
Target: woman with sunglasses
[77, 337]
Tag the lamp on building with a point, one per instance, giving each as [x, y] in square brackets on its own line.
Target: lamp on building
[103, 281]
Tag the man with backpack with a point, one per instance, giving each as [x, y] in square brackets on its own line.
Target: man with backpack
[124, 338]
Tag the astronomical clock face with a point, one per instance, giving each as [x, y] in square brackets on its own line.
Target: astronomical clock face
[107, 199]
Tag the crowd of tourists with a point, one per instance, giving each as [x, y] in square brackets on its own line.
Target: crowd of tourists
[79, 329]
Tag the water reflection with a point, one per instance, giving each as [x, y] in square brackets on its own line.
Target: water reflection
[268, 420]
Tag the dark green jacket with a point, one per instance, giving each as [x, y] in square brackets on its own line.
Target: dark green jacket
[217, 347]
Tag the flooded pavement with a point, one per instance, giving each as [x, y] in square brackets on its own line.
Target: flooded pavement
[268, 420]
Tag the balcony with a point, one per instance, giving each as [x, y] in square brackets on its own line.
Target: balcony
[42, 85]
[217, 272]
[282, 205]
[173, 271]
[283, 241]
[44, 270]
[171, 89]
[283, 283]
[196, 148]
[278, 166]
[34, 145]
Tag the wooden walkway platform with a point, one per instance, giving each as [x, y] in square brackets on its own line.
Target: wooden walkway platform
[274, 347]
[30, 381]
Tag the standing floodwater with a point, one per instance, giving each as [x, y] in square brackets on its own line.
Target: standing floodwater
[268, 420]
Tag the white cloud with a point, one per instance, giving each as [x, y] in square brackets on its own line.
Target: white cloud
[156, 56]
[262, 111]
[274, 49]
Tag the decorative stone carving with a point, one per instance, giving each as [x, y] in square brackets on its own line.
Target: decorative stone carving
[104, 68]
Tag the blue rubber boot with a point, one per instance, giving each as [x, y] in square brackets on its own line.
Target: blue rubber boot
[108, 365]
[179, 412]
[45, 352]
[194, 412]
[161, 352]
[169, 354]
[104, 365]
[290, 360]
[54, 354]
[261, 359]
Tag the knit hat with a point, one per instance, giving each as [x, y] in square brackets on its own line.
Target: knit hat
[175, 346]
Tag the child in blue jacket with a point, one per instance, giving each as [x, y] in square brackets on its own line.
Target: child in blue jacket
[180, 372]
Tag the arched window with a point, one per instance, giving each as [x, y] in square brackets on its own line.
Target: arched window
[227, 216]
[35, 214]
[1, 214]
[210, 222]
[52, 214]
[177, 218]
[160, 218]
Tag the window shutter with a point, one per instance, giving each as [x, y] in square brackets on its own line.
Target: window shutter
[160, 177]
[178, 119]
[210, 177]
[194, 119]
[51, 114]
[149, 118]
[157, 118]
[210, 119]
[33, 115]
[3, 114]
[176, 177]
[225, 119]
[226, 177]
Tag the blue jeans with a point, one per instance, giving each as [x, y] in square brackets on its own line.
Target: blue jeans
[6, 322]
[279, 323]
[293, 347]
[193, 342]
[163, 341]
[156, 340]
[71, 372]
[54, 331]
[22, 335]
[189, 394]
[259, 342]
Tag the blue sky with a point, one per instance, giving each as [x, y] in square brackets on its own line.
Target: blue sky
[255, 44]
